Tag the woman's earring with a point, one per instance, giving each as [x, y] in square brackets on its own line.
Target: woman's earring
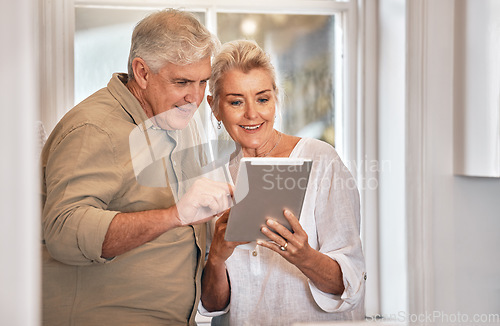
[218, 125]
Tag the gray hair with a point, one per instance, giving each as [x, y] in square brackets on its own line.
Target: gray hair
[243, 55]
[170, 36]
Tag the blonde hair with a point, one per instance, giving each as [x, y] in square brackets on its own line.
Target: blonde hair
[243, 55]
[170, 36]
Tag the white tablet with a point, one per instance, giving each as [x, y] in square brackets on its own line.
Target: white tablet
[264, 188]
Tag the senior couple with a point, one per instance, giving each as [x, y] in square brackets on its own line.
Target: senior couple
[118, 250]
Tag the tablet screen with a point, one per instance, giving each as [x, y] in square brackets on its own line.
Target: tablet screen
[264, 188]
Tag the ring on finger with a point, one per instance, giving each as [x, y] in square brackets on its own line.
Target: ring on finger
[283, 248]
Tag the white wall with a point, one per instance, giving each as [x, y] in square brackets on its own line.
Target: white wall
[477, 88]
[465, 211]
[474, 232]
[19, 210]
[458, 217]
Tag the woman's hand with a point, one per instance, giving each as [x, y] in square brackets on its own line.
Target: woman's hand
[215, 289]
[294, 247]
[220, 249]
[323, 271]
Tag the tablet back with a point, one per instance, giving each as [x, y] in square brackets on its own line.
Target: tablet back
[264, 188]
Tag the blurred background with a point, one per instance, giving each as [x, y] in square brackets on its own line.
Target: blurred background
[301, 47]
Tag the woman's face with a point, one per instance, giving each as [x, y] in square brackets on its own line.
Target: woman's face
[247, 103]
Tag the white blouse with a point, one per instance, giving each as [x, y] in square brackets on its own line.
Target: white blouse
[268, 290]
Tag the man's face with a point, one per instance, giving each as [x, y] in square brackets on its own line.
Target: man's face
[174, 94]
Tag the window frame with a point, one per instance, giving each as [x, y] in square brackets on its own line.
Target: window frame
[355, 123]
[61, 17]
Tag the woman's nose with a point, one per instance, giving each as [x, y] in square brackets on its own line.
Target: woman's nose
[250, 111]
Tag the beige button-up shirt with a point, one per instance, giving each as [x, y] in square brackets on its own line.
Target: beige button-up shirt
[88, 177]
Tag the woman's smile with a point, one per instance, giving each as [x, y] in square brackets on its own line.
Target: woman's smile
[252, 128]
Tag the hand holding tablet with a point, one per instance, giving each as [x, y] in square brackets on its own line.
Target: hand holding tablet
[265, 187]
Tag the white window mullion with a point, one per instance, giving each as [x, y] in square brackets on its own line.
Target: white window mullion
[211, 24]
[367, 149]
[310, 7]
[57, 60]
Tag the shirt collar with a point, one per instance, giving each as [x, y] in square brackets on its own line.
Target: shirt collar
[117, 87]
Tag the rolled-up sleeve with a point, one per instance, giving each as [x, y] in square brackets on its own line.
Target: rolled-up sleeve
[337, 215]
[81, 177]
[206, 313]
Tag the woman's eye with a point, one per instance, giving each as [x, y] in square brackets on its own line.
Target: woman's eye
[236, 103]
[263, 100]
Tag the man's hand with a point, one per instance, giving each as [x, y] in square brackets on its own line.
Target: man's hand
[205, 199]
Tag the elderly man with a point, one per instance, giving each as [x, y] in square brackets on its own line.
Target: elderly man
[118, 250]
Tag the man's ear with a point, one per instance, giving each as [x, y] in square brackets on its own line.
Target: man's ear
[141, 72]
[214, 111]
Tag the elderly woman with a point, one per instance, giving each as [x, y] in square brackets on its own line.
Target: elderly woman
[314, 273]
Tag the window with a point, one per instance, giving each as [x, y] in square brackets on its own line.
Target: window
[102, 45]
[69, 74]
[302, 50]
[308, 41]
[313, 45]
[306, 45]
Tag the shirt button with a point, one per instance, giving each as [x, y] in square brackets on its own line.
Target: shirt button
[254, 253]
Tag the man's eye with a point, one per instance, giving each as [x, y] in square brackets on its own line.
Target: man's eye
[181, 82]
[203, 82]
